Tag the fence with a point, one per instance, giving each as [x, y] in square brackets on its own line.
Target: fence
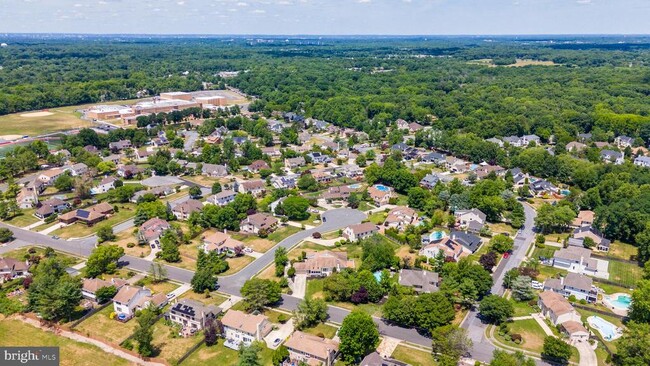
[602, 312]
[604, 257]
[190, 351]
[613, 283]
[91, 313]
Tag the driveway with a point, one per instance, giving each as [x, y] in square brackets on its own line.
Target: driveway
[587, 354]
[299, 286]
[282, 333]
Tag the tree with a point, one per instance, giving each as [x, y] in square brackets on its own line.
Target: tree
[504, 358]
[640, 307]
[204, 279]
[307, 183]
[633, 346]
[488, 260]
[195, 192]
[158, 272]
[169, 247]
[501, 243]
[295, 207]
[521, 289]
[248, 356]
[103, 259]
[281, 259]
[64, 183]
[143, 333]
[353, 200]
[310, 312]
[105, 233]
[588, 242]
[496, 309]
[556, 350]
[359, 336]
[280, 355]
[6, 235]
[449, 344]
[53, 293]
[105, 293]
[378, 254]
[213, 329]
[216, 188]
[510, 277]
[259, 293]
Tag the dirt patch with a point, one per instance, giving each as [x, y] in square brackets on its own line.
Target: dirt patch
[36, 114]
[10, 137]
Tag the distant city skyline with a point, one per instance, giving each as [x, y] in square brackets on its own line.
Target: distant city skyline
[327, 17]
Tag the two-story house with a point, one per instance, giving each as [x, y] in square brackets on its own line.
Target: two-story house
[255, 187]
[241, 329]
[104, 185]
[129, 299]
[611, 156]
[323, 264]
[400, 217]
[420, 280]
[574, 284]
[183, 210]
[221, 243]
[152, 230]
[360, 231]
[257, 222]
[311, 349]
[576, 260]
[191, 315]
[12, 268]
[222, 198]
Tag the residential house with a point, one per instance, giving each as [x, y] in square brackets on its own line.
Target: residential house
[90, 286]
[104, 186]
[271, 151]
[88, 216]
[51, 206]
[76, 169]
[221, 243]
[119, 145]
[434, 157]
[420, 280]
[375, 359]
[285, 181]
[400, 217]
[142, 155]
[583, 137]
[470, 242]
[513, 141]
[214, 170]
[575, 331]
[50, 176]
[401, 124]
[360, 231]
[255, 187]
[339, 193]
[575, 146]
[455, 165]
[319, 158]
[623, 141]
[322, 177]
[129, 299]
[555, 307]
[152, 230]
[576, 260]
[113, 158]
[183, 210]
[449, 248]
[91, 149]
[585, 218]
[588, 231]
[611, 156]
[323, 264]
[464, 217]
[380, 194]
[351, 171]
[429, 181]
[543, 187]
[128, 171]
[12, 268]
[243, 329]
[484, 171]
[518, 177]
[27, 198]
[414, 127]
[311, 349]
[258, 165]
[573, 284]
[496, 141]
[191, 315]
[643, 161]
[258, 222]
[222, 198]
[528, 139]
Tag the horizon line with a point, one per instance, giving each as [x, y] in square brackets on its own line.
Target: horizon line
[332, 34]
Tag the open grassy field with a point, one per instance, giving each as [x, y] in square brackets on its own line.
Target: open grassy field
[532, 334]
[59, 119]
[282, 233]
[412, 356]
[164, 287]
[377, 218]
[222, 356]
[546, 252]
[522, 308]
[214, 299]
[99, 325]
[625, 273]
[236, 264]
[169, 344]
[16, 333]
[20, 254]
[622, 250]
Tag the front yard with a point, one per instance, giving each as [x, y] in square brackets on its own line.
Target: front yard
[237, 264]
[531, 333]
[26, 217]
[126, 237]
[80, 230]
[412, 356]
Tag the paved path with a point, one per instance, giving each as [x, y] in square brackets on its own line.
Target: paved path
[325, 242]
[587, 354]
[297, 224]
[299, 286]
[51, 228]
[103, 346]
[31, 226]
[540, 320]
[387, 346]
[521, 318]
[181, 290]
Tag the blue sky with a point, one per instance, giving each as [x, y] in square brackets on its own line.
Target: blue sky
[399, 17]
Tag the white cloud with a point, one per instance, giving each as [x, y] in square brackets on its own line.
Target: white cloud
[583, 2]
[258, 11]
[180, 3]
[242, 4]
[364, 1]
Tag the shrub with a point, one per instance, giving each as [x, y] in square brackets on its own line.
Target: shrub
[532, 302]
[516, 338]
[320, 335]
[282, 318]
[573, 298]
[316, 235]
[130, 245]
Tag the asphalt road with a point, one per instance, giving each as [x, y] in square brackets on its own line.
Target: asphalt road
[482, 348]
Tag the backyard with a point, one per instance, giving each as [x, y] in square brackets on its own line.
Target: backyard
[626, 274]
[222, 356]
[16, 333]
[170, 345]
[100, 325]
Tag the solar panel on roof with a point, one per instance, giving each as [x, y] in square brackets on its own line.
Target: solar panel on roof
[83, 214]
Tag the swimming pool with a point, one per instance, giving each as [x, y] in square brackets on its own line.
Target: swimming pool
[436, 235]
[565, 192]
[381, 187]
[620, 301]
[355, 186]
[608, 330]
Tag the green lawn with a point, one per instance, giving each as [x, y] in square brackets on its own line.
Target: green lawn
[327, 330]
[171, 346]
[622, 250]
[364, 206]
[314, 288]
[21, 254]
[378, 217]
[522, 308]
[102, 326]
[549, 271]
[412, 356]
[222, 356]
[625, 273]
[532, 334]
[282, 233]
[546, 252]
[273, 315]
[16, 333]
[214, 299]
[26, 217]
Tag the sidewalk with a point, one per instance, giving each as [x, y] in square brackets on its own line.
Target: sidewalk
[232, 300]
[31, 226]
[51, 228]
[297, 224]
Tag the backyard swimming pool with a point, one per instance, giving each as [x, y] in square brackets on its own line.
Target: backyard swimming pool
[608, 330]
[355, 186]
[619, 301]
[381, 187]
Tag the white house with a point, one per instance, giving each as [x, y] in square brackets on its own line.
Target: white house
[104, 186]
[12, 268]
[464, 217]
[611, 156]
[254, 187]
[132, 298]
[623, 141]
[222, 198]
[243, 329]
[555, 307]
[49, 176]
[573, 284]
[577, 260]
[360, 231]
[643, 161]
